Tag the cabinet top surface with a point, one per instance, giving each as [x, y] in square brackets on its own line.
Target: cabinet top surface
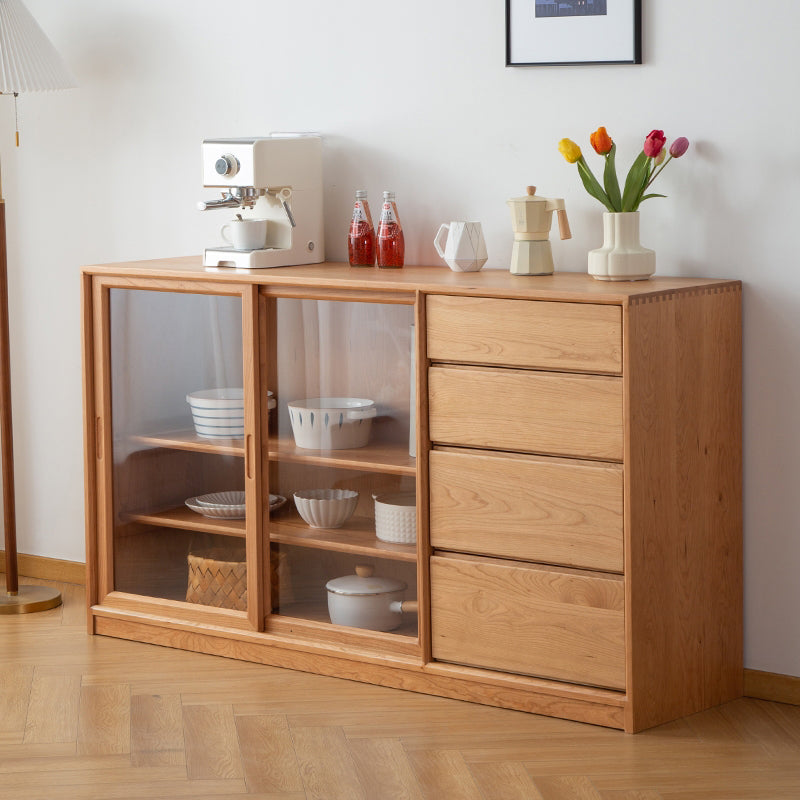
[573, 286]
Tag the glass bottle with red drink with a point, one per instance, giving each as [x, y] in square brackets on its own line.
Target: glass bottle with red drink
[391, 244]
[361, 239]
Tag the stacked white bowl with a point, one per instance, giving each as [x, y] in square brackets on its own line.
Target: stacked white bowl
[219, 413]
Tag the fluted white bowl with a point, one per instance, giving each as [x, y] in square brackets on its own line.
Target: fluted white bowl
[326, 508]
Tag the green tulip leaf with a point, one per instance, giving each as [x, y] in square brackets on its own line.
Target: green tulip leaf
[610, 179]
[591, 184]
[635, 183]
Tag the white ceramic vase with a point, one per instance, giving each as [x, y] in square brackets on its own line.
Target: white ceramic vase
[621, 258]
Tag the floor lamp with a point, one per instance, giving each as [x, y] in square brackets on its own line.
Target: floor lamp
[28, 63]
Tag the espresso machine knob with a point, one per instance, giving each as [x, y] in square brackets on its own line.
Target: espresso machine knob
[227, 165]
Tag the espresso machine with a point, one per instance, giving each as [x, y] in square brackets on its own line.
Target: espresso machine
[277, 178]
[531, 217]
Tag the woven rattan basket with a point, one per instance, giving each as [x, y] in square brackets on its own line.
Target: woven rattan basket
[215, 579]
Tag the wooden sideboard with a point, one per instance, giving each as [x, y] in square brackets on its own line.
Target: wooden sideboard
[576, 461]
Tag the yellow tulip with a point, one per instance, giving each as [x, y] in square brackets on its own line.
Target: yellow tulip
[569, 150]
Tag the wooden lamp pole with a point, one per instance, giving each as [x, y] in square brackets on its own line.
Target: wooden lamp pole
[28, 62]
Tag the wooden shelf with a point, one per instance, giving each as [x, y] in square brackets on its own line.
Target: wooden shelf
[376, 457]
[187, 439]
[392, 458]
[318, 612]
[358, 537]
[188, 520]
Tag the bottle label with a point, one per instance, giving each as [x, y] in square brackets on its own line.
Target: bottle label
[359, 215]
[387, 214]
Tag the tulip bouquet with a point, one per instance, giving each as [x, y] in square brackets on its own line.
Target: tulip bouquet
[645, 169]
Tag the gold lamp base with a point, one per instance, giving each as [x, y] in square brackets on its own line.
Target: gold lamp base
[29, 599]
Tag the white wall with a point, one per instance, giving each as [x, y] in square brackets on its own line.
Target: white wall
[415, 97]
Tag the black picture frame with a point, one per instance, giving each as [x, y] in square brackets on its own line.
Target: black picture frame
[562, 32]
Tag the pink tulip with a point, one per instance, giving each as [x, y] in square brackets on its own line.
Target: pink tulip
[679, 147]
[654, 143]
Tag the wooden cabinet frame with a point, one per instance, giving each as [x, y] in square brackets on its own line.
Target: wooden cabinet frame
[674, 347]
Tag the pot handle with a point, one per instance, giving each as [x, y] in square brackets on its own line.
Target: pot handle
[404, 606]
[436, 242]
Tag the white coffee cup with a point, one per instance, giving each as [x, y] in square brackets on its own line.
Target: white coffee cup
[465, 250]
[245, 234]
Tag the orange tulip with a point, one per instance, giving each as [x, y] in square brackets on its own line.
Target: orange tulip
[601, 141]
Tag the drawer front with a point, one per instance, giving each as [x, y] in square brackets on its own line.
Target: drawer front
[525, 333]
[563, 415]
[527, 508]
[563, 625]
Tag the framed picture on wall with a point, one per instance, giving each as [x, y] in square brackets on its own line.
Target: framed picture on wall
[561, 32]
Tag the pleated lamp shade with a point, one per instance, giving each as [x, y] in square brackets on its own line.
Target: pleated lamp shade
[28, 60]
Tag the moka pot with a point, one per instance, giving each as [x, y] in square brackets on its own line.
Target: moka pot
[531, 217]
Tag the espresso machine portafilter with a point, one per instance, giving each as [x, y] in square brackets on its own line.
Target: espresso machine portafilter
[277, 178]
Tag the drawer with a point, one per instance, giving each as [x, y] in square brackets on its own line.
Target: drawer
[574, 337]
[541, 412]
[524, 507]
[560, 624]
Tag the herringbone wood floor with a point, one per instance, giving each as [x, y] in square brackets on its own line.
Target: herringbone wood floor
[93, 718]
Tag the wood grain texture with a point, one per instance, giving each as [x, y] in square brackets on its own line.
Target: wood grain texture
[411, 744]
[772, 686]
[504, 780]
[538, 412]
[683, 504]
[156, 730]
[51, 569]
[548, 510]
[268, 756]
[104, 721]
[212, 749]
[514, 617]
[444, 773]
[667, 423]
[326, 766]
[15, 689]
[384, 769]
[53, 709]
[570, 337]
[577, 287]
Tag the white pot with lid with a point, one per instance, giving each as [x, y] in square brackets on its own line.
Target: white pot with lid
[365, 600]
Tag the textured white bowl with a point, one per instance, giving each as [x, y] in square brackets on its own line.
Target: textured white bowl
[221, 499]
[396, 517]
[226, 512]
[326, 508]
[331, 423]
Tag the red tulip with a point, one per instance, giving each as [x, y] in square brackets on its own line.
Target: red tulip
[654, 143]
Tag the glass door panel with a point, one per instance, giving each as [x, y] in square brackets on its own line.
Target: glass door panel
[174, 536]
[342, 434]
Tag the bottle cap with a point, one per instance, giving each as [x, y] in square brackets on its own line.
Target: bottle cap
[361, 193]
[388, 195]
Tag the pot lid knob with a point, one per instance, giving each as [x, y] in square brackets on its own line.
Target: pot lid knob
[530, 190]
[364, 570]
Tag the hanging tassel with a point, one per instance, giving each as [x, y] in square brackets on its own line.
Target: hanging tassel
[16, 117]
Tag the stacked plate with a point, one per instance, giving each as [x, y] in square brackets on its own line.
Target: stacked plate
[227, 505]
[219, 413]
